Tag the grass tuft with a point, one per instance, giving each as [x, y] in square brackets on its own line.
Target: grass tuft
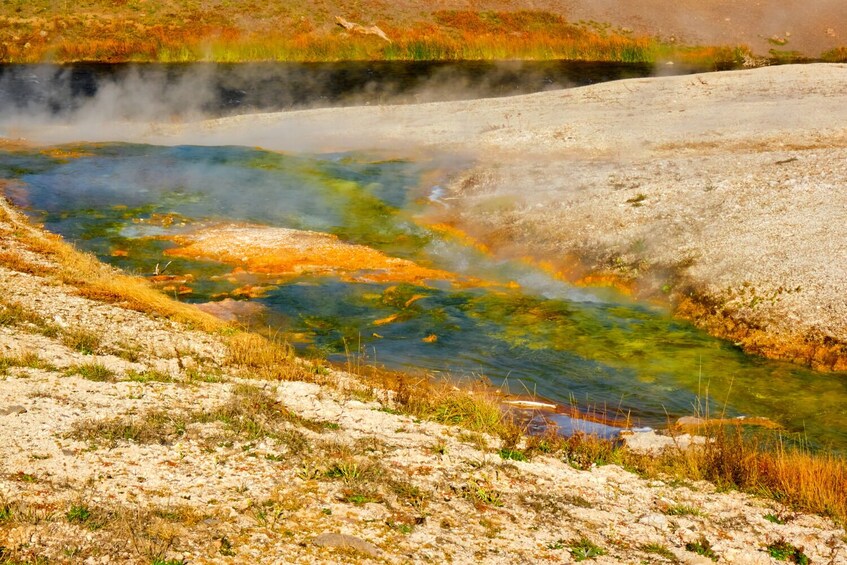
[660, 550]
[583, 548]
[82, 340]
[702, 547]
[13, 314]
[78, 514]
[263, 358]
[92, 372]
[784, 551]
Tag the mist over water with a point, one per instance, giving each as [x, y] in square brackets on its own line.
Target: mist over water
[159, 92]
[523, 328]
[541, 335]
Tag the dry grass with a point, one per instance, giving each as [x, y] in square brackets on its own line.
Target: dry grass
[263, 358]
[765, 465]
[13, 314]
[814, 482]
[251, 413]
[476, 407]
[98, 281]
[28, 359]
[146, 534]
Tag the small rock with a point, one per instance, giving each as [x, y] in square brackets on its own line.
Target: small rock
[655, 520]
[345, 541]
[697, 560]
[13, 410]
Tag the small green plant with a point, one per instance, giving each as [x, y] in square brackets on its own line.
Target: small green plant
[702, 547]
[326, 511]
[194, 374]
[584, 548]
[311, 471]
[482, 493]
[347, 472]
[6, 512]
[358, 497]
[404, 528]
[771, 517]
[79, 514]
[660, 550]
[784, 551]
[25, 477]
[226, 547]
[513, 454]
[91, 372]
[410, 494]
[160, 561]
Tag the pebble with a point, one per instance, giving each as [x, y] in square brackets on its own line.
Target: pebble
[13, 410]
[346, 541]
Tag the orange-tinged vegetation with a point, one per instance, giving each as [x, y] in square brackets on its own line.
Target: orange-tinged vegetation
[803, 480]
[233, 32]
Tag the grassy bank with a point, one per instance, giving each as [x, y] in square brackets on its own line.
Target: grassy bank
[176, 32]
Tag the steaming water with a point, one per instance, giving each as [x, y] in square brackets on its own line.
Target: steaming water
[215, 89]
[593, 347]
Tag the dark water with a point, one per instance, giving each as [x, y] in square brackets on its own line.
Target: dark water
[516, 325]
[219, 89]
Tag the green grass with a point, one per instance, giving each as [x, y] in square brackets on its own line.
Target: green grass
[583, 548]
[702, 547]
[481, 493]
[91, 372]
[660, 550]
[784, 551]
[770, 517]
[14, 314]
[29, 360]
[78, 514]
[513, 454]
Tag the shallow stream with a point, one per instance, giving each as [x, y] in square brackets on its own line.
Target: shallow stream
[469, 314]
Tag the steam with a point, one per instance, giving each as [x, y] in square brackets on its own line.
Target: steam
[90, 102]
